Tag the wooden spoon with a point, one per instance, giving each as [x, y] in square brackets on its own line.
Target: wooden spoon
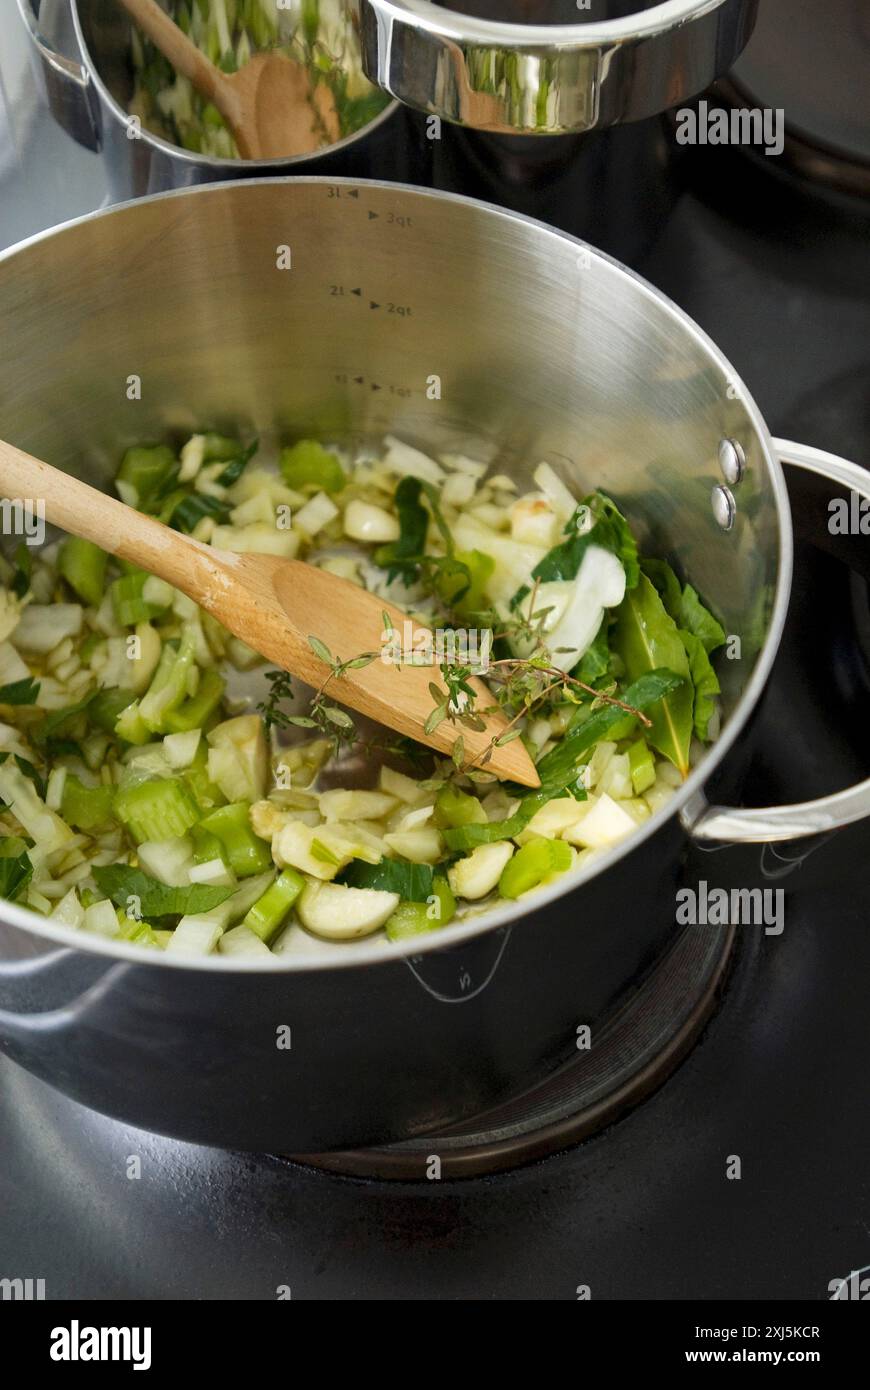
[269, 104]
[274, 605]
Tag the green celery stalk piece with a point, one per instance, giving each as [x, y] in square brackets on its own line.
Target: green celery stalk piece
[83, 566]
[197, 709]
[308, 463]
[244, 851]
[269, 911]
[159, 808]
[455, 807]
[83, 807]
[147, 469]
[169, 685]
[642, 766]
[533, 862]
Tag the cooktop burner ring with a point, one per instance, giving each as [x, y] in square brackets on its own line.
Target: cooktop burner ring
[638, 1048]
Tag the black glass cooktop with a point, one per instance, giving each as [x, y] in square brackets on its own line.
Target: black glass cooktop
[646, 1209]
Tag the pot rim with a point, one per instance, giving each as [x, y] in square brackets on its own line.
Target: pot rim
[643, 24]
[211, 161]
[370, 951]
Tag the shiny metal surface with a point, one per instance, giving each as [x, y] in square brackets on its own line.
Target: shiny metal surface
[66, 83]
[731, 461]
[771, 823]
[547, 79]
[89, 95]
[543, 349]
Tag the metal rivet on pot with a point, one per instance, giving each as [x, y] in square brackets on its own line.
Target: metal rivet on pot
[724, 506]
[732, 461]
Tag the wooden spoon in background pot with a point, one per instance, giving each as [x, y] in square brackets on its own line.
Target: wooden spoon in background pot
[275, 605]
[269, 104]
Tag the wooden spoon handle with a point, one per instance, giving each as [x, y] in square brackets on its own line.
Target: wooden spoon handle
[176, 46]
[121, 530]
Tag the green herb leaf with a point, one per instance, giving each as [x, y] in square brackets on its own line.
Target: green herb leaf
[705, 681]
[59, 722]
[23, 567]
[559, 768]
[120, 883]
[699, 621]
[684, 605]
[413, 882]
[403, 556]
[190, 511]
[23, 692]
[16, 870]
[666, 582]
[236, 467]
[320, 649]
[646, 638]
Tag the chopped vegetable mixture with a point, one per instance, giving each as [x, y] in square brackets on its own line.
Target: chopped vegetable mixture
[160, 786]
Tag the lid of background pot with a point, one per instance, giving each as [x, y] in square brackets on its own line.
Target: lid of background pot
[550, 66]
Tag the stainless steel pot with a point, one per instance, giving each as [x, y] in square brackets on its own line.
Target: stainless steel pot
[89, 94]
[543, 348]
[529, 65]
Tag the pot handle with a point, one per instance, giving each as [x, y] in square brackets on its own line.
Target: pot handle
[67, 84]
[768, 823]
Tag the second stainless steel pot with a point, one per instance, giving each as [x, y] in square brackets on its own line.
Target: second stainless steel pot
[454, 325]
[89, 96]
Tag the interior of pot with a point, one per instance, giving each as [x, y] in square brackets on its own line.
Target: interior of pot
[450, 324]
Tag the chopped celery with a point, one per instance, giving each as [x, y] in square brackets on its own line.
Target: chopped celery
[308, 463]
[206, 845]
[146, 470]
[83, 566]
[207, 793]
[412, 919]
[642, 766]
[130, 726]
[480, 567]
[198, 708]
[130, 602]
[132, 930]
[454, 807]
[219, 448]
[168, 687]
[243, 851]
[156, 809]
[268, 912]
[86, 808]
[534, 862]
